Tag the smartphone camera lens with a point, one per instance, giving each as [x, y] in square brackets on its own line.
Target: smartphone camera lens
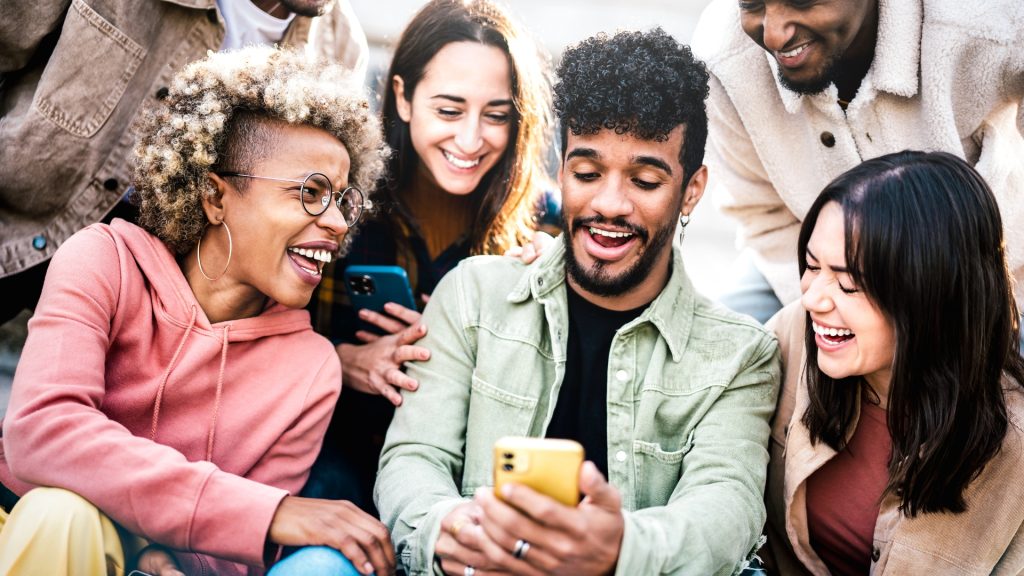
[507, 455]
[362, 285]
[507, 467]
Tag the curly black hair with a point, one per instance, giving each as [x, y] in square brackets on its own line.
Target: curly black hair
[639, 83]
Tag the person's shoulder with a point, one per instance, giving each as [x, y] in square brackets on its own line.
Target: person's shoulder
[713, 321]
[997, 20]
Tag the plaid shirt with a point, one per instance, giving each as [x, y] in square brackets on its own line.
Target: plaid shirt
[375, 244]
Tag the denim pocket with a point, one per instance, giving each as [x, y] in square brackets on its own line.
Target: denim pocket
[76, 95]
[657, 471]
[493, 413]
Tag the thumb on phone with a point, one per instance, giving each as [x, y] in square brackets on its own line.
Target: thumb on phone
[597, 491]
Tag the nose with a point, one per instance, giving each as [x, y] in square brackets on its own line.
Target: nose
[777, 27]
[333, 221]
[611, 201]
[816, 298]
[469, 138]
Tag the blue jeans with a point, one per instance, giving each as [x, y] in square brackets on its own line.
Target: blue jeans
[314, 561]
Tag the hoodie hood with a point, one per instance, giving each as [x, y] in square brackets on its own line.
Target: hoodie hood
[175, 300]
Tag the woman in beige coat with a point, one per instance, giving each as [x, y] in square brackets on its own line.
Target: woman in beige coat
[897, 447]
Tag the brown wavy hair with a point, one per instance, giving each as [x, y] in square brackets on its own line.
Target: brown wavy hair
[186, 136]
[507, 196]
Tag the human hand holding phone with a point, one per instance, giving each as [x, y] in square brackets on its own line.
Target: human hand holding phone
[532, 529]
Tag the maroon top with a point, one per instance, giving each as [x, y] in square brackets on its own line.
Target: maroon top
[844, 494]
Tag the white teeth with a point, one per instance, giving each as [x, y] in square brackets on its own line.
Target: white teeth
[793, 52]
[821, 330]
[319, 255]
[609, 234]
[459, 163]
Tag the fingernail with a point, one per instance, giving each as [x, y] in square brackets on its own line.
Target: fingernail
[368, 567]
[363, 312]
[506, 491]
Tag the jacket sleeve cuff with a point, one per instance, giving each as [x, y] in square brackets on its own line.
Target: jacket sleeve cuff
[232, 518]
[420, 559]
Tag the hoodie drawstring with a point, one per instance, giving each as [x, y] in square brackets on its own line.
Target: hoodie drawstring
[167, 374]
[220, 389]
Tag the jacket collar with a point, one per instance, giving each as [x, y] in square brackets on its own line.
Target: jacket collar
[897, 64]
[671, 312]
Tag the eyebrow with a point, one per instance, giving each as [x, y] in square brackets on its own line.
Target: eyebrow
[461, 100]
[592, 154]
[843, 269]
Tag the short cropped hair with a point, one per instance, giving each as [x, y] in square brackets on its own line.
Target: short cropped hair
[213, 110]
[640, 83]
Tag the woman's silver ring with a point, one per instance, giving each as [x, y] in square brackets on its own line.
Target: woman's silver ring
[468, 571]
[521, 549]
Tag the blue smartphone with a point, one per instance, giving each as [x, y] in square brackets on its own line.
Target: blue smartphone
[372, 286]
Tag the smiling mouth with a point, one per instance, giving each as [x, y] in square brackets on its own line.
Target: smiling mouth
[460, 163]
[833, 336]
[794, 52]
[311, 261]
[609, 238]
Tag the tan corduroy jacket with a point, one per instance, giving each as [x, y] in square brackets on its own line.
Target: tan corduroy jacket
[986, 539]
[74, 75]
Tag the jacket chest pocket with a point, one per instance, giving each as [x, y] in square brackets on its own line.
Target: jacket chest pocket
[493, 412]
[658, 469]
[78, 97]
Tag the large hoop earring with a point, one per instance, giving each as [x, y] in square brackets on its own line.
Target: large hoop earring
[199, 261]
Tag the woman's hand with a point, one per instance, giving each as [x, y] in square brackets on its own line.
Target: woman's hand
[338, 524]
[375, 367]
[531, 251]
[156, 560]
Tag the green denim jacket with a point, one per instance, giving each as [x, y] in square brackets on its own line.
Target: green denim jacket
[691, 387]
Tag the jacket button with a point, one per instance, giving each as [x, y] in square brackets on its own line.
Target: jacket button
[620, 456]
[110, 184]
[39, 242]
[162, 93]
[540, 281]
[622, 375]
[828, 139]
[875, 554]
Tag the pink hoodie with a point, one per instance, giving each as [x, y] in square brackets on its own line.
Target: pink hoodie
[186, 433]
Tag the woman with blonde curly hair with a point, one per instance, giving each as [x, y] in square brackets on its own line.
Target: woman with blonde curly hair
[467, 113]
[172, 395]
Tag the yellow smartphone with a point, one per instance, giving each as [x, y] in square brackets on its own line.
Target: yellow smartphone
[547, 465]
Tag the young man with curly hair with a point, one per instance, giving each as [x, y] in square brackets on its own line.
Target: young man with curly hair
[602, 340]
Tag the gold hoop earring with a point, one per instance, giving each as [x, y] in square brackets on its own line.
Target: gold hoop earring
[199, 261]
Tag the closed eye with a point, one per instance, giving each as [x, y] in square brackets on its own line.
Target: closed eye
[586, 176]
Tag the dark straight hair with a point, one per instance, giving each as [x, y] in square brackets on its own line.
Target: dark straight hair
[924, 242]
[507, 196]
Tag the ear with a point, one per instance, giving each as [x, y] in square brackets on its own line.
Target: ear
[403, 105]
[213, 200]
[694, 190]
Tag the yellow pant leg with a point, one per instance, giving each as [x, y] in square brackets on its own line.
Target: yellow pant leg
[57, 532]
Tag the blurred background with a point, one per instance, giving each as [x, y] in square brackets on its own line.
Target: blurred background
[709, 246]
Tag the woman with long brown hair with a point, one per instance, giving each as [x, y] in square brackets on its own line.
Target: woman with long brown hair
[467, 114]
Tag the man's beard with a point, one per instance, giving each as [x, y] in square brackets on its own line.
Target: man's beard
[596, 280]
[815, 85]
[311, 8]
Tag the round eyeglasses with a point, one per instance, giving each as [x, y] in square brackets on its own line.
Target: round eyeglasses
[316, 193]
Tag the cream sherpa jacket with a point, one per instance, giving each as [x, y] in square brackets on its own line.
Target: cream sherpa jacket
[947, 75]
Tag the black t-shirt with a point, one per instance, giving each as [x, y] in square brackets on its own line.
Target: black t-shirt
[581, 413]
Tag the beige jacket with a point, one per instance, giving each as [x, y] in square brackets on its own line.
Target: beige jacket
[986, 539]
[73, 76]
[947, 75]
